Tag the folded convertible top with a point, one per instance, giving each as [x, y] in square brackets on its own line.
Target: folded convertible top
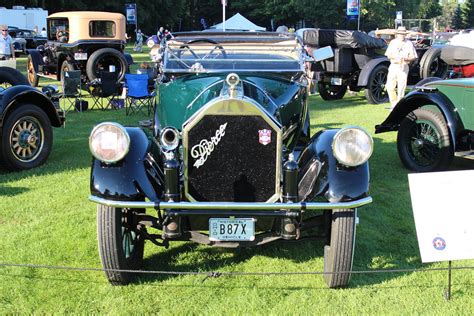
[339, 38]
[457, 55]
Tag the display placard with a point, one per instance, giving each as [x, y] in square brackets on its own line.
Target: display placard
[443, 208]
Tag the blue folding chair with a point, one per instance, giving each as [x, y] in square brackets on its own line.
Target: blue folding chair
[138, 97]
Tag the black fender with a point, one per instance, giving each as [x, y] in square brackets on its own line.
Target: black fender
[416, 99]
[128, 58]
[127, 179]
[36, 58]
[321, 175]
[17, 95]
[367, 70]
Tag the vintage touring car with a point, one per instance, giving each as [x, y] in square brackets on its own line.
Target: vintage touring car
[80, 40]
[231, 161]
[26, 119]
[435, 122]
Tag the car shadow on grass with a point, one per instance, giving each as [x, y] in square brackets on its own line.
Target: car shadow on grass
[192, 257]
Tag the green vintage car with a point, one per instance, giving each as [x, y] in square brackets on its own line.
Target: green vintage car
[231, 161]
[435, 122]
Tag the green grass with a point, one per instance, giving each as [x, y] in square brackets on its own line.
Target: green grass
[45, 218]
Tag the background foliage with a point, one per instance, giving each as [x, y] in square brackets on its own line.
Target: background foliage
[187, 14]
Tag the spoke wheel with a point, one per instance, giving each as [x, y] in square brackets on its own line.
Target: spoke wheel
[376, 93]
[423, 142]
[120, 244]
[26, 139]
[32, 76]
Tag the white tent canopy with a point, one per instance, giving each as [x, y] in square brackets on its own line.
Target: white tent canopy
[237, 23]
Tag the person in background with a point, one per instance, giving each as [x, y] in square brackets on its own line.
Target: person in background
[401, 53]
[160, 34]
[43, 32]
[168, 35]
[7, 51]
[139, 41]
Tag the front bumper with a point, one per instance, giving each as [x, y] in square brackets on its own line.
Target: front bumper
[233, 208]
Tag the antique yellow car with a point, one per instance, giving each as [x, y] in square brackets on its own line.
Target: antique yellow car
[83, 40]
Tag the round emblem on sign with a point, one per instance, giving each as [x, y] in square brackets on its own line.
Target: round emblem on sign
[439, 243]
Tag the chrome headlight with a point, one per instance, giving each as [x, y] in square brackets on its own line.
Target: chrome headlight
[352, 146]
[109, 142]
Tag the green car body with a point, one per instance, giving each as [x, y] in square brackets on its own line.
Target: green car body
[434, 123]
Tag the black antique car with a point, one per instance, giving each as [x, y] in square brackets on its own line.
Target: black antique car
[88, 41]
[32, 39]
[358, 63]
[230, 161]
[26, 119]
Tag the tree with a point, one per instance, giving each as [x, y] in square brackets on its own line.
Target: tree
[457, 22]
[468, 14]
[447, 16]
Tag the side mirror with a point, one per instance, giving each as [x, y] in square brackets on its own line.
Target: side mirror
[323, 53]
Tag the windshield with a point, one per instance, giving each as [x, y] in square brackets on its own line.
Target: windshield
[207, 55]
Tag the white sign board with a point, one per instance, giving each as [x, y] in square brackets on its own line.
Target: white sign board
[443, 208]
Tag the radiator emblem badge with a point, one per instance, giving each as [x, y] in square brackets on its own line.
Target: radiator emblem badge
[264, 136]
[205, 147]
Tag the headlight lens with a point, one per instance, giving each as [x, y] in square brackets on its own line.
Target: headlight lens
[109, 142]
[352, 146]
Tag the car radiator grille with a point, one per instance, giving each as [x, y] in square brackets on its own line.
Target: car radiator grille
[232, 158]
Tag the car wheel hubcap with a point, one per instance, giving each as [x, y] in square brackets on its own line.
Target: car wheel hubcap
[26, 139]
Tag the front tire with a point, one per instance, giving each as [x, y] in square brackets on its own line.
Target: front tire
[423, 142]
[375, 93]
[120, 244]
[331, 92]
[32, 76]
[26, 139]
[338, 254]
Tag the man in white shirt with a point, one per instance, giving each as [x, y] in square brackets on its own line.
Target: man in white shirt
[6, 44]
[401, 53]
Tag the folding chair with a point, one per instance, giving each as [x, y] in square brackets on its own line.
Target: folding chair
[107, 88]
[138, 96]
[71, 90]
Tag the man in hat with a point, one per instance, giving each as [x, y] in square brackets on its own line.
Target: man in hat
[7, 50]
[401, 53]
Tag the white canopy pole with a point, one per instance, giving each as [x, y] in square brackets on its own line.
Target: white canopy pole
[224, 3]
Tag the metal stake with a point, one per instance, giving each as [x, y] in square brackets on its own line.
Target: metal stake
[447, 293]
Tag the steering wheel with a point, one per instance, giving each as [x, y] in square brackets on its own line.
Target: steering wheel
[202, 40]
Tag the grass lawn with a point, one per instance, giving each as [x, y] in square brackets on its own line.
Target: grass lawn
[46, 218]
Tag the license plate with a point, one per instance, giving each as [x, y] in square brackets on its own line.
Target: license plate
[231, 229]
[80, 56]
[336, 81]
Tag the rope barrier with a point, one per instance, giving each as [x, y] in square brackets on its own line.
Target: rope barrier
[216, 274]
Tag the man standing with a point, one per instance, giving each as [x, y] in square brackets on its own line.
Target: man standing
[401, 52]
[6, 44]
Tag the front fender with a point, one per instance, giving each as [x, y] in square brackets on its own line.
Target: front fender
[367, 70]
[127, 179]
[327, 177]
[416, 99]
[17, 95]
[36, 58]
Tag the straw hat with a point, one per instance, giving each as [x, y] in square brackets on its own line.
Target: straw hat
[401, 30]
